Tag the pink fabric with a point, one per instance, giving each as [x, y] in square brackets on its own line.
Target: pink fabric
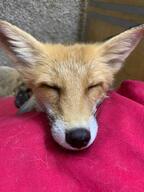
[30, 161]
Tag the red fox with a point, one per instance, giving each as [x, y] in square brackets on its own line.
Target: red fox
[68, 81]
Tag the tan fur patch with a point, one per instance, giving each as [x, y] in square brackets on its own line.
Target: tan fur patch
[75, 76]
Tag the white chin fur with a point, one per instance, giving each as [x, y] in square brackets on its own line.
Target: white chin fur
[59, 128]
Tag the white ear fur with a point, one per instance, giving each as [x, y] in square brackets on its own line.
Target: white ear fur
[117, 49]
[21, 46]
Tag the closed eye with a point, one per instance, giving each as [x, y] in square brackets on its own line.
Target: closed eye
[52, 87]
[95, 85]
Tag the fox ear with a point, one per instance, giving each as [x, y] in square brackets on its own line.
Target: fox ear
[114, 51]
[21, 46]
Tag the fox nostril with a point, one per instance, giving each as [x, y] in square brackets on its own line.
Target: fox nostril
[78, 138]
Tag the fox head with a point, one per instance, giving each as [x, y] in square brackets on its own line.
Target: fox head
[68, 81]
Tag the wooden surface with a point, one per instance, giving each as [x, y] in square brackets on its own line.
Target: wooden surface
[106, 18]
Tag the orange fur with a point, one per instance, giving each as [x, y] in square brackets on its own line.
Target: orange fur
[73, 70]
[70, 79]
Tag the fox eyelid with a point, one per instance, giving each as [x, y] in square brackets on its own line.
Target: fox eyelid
[95, 85]
[53, 87]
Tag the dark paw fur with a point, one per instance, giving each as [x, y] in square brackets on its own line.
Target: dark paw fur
[22, 96]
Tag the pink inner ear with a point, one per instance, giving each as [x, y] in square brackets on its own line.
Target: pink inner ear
[140, 29]
[119, 47]
[138, 34]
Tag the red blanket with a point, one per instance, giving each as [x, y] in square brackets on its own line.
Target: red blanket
[30, 161]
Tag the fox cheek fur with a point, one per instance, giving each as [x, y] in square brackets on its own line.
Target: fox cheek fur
[68, 81]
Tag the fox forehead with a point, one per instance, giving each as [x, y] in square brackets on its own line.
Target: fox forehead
[63, 63]
[63, 52]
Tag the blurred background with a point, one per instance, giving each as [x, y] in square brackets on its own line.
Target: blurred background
[69, 21]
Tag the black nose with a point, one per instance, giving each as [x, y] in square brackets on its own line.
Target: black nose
[78, 138]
